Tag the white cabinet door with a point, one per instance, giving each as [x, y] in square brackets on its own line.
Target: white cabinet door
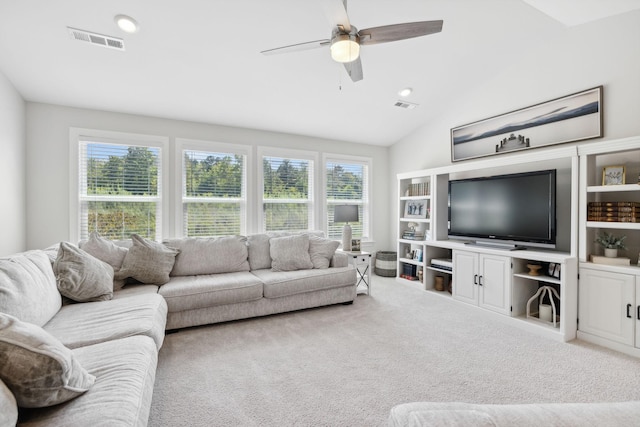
[465, 276]
[495, 283]
[607, 304]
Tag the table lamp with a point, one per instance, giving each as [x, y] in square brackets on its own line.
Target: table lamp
[346, 214]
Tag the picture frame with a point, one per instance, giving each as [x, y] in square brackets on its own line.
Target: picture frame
[554, 270]
[355, 245]
[613, 175]
[415, 209]
[571, 118]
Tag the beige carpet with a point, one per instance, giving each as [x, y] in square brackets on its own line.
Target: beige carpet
[348, 365]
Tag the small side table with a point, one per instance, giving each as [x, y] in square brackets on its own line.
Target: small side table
[362, 262]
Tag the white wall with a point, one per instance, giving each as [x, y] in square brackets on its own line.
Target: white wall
[48, 193]
[12, 169]
[605, 52]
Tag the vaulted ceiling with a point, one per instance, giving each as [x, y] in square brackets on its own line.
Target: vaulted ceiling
[200, 60]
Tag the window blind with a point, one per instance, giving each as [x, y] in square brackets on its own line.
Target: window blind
[213, 193]
[120, 190]
[347, 183]
[287, 194]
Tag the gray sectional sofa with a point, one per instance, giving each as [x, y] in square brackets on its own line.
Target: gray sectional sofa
[81, 326]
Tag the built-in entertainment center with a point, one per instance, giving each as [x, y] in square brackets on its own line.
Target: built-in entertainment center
[535, 201]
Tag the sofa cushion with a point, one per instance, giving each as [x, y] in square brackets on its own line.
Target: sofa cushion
[147, 261]
[28, 288]
[8, 406]
[529, 414]
[192, 292]
[290, 253]
[321, 251]
[79, 325]
[81, 276]
[210, 255]
[121, 396]
[284, 283]
[36, 367]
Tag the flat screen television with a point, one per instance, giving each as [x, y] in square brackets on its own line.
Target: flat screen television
[514, 211]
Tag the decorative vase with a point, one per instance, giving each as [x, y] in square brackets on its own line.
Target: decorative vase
[533, 269]
[610, 253]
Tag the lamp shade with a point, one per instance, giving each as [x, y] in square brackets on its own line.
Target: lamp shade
[345, 213]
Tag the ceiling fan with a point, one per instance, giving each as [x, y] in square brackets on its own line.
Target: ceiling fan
[346, 39]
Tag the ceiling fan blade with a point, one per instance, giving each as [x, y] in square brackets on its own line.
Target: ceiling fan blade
[391, 33]
[297, 47]
[336, 12]
[354, 69]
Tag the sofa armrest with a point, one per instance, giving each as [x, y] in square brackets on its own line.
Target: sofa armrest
[339, 259]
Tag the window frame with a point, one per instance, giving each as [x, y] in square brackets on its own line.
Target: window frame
[367, 211]
[79, 135]
[183, 144]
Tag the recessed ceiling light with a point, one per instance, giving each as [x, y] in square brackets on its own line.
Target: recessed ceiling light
[405, 92]
[126, 23]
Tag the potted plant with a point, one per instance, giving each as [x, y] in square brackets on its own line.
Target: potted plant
[611, 244]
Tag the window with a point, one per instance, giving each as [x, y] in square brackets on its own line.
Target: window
[120, 189]
[287, 193]
[213, 193]
[347, 182]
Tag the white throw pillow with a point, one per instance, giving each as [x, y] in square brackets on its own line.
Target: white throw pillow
[36, 367]
[321, 251]
[81, 276]
[290, 253]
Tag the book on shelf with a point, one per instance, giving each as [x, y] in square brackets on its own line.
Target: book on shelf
[412, 235]
[599, 259]
[418, 189]
[408, 277]
[613, 209]
[614, 204]
[598, 218]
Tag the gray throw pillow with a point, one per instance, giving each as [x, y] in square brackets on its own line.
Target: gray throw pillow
[321, 251]
[81, 276]
[36, 367]
[148, 261]
[290, 253]
[105, 250]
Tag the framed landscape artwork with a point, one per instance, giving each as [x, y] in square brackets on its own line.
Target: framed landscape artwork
[574, 117]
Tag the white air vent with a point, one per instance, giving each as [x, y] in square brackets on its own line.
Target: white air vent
[405, 104]
[96, 39]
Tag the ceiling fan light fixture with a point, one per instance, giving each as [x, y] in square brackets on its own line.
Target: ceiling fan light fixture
[126, 23]
[345, 48]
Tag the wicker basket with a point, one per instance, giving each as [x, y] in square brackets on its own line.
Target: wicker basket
[386, 263]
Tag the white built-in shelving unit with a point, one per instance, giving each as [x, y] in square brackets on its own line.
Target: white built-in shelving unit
[491, 279]
[609, 299]
[599, 303]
